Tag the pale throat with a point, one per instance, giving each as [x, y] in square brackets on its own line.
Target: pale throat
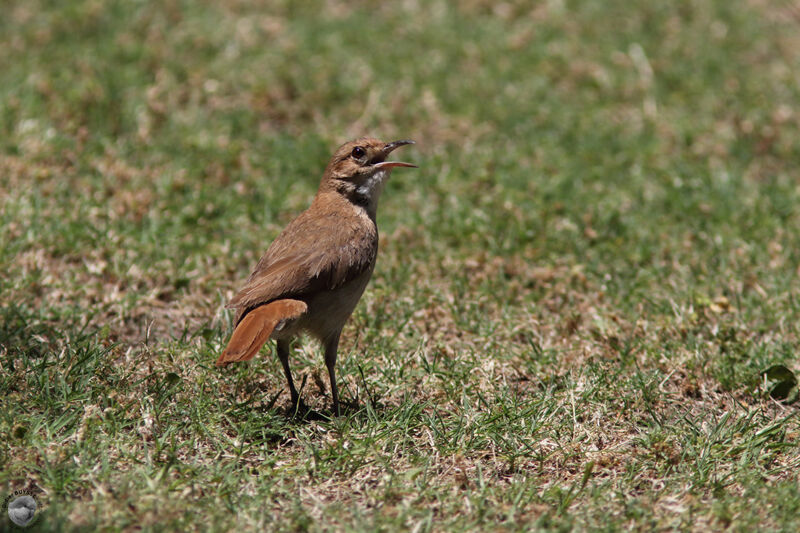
[371, 190]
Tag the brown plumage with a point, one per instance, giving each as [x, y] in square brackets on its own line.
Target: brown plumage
[313, 274]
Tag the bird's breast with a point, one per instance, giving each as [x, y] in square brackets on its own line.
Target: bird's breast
[328, 310]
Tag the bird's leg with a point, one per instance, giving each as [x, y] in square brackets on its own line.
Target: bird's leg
[331, 346]
[283, 355]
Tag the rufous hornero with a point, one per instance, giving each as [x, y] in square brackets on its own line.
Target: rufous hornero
[313, 274]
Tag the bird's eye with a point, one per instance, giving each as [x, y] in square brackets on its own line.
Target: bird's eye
[358, 152]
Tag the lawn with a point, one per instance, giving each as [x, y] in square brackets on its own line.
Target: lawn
[576, 295]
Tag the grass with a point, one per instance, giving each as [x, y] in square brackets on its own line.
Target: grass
[575, 295]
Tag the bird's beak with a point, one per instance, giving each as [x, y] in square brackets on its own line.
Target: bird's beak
[387, 150]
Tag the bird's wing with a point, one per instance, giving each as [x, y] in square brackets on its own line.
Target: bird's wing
[310, 255]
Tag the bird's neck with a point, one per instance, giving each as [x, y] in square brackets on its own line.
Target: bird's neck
[367, 194]
[363, 196]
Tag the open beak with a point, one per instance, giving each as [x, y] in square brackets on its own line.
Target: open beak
[387, 150]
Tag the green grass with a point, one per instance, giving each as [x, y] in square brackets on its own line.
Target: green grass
[575, 295]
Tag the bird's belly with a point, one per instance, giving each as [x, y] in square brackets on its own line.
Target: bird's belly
[328, 310]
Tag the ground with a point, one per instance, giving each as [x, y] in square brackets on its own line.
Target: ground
[575, 298]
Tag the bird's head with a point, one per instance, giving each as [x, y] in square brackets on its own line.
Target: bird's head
[359, 169]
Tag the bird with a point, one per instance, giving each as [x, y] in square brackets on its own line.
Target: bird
[313, 274]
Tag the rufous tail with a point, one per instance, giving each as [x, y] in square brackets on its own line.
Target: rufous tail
[255, 328]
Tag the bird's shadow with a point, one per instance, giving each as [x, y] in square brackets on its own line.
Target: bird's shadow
[279, 425]
[301, 413]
